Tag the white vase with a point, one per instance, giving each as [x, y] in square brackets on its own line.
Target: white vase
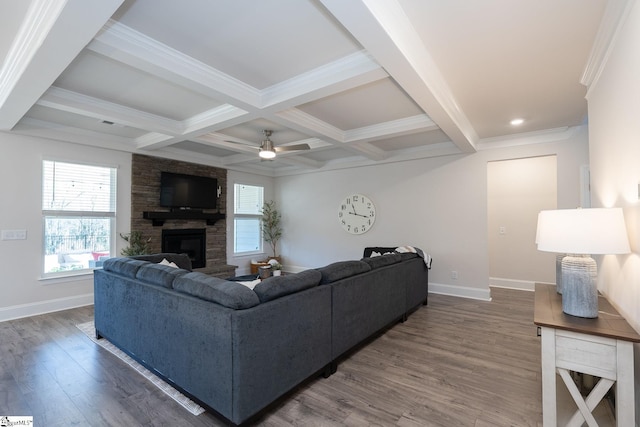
[277, 272]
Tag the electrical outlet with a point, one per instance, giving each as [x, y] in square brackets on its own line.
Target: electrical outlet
[502, 230]
[454, 275]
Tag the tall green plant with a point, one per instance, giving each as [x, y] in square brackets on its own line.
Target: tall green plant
[271, 228]
[137, 244]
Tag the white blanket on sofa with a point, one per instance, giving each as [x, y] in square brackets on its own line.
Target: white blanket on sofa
[426, 257]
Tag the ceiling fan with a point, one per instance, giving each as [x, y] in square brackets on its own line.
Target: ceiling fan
[267, 150]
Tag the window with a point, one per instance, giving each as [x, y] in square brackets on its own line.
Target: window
[248, 201]
[78, 212]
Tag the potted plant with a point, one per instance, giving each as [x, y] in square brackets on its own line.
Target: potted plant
[276, 267]
[137, 244]
[271, 228]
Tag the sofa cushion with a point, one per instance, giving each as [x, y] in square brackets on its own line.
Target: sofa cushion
[381, 261]
[158, 274]
[124, 266]
[220, 291]
[278, 286]
[181, 260]
[341, 269]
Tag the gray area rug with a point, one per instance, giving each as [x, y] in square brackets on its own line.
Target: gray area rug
[89, 330]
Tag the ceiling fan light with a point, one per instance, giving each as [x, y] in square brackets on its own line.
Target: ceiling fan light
[267, 154]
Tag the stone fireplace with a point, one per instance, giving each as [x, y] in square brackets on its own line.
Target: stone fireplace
[145, 196]
[190, 241]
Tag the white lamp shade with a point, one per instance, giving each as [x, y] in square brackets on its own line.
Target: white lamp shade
[583, 231]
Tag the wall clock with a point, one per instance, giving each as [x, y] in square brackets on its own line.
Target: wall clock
[356, 214]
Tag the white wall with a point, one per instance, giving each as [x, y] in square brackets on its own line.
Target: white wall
[614, 144]
[437, 204]
[22, 292]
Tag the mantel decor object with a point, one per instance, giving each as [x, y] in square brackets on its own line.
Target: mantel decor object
[580, 233]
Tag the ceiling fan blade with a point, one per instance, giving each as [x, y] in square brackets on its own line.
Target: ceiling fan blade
[293, 147]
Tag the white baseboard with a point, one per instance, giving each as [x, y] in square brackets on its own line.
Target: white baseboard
[522, 285]
[293, 268]
[43, 307]
[435, 288]
[460, 291]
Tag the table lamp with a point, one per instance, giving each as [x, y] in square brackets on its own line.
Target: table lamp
[581, 233]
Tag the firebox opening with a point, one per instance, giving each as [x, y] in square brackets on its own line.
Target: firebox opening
[192, 241]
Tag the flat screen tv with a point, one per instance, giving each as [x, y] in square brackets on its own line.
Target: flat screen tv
[181, 191]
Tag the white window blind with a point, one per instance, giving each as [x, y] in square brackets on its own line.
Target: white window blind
[248, 199]
[248, 202]
[71, 187]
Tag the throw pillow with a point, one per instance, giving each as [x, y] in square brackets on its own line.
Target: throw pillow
[249, 284]
[169, 263]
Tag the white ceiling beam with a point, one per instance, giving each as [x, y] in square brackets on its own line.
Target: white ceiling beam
[311, 125]
[218, 140]
[73, 102]
[391, 129]
[123, 44]
[303, 122]
[382, 27]
[213, 118]
[58, 132]
[52, 34]
[347, 72]
[153, 141]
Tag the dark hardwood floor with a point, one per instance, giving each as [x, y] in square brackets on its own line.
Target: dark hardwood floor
[455, 362]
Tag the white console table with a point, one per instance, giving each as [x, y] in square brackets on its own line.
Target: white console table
[602, 347]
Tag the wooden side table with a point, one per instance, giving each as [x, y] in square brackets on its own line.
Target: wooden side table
[602, 347]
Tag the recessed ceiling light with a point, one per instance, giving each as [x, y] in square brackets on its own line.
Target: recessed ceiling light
[516, 122]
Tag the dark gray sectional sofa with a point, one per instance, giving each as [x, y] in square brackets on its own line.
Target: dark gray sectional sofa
[236, 350]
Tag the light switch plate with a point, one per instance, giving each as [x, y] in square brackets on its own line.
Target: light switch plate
[13, 235]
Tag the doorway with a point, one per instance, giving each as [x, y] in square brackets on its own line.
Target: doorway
[517, 190]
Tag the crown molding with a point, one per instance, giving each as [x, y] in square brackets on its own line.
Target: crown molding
[528, 138]
[615, 15]
[41, 18]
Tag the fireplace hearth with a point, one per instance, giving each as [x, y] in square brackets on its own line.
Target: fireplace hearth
[191, 241]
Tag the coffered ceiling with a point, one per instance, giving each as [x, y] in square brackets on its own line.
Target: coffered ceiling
[360, 81]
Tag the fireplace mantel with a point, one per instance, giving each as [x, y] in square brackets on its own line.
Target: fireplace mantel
[159, 217]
